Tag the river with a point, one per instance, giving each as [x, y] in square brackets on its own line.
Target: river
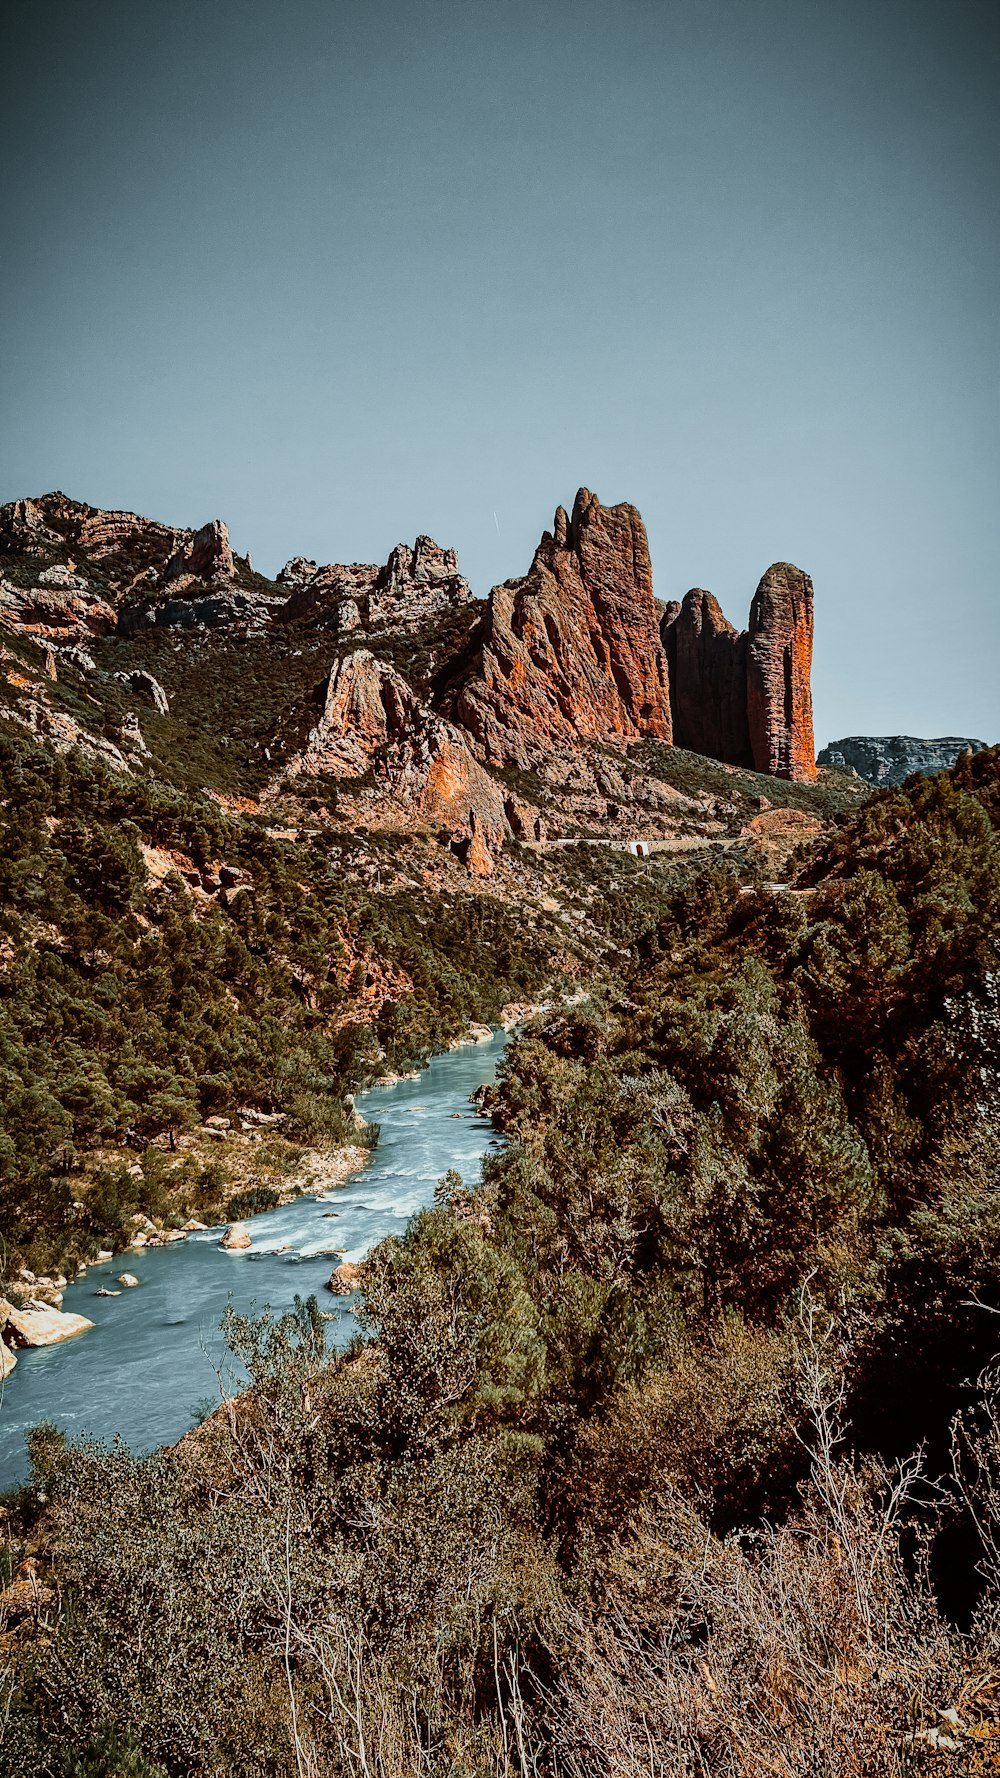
[150, 1364]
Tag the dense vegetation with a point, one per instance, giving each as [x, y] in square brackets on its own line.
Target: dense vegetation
[620, 1477]
[134, 1002]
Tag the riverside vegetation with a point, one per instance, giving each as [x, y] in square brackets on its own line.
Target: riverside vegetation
[131, 1009]
[673, 1447]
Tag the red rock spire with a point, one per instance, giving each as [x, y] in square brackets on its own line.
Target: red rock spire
[779, 659]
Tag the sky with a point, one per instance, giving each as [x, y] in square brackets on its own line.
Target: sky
[343, 273]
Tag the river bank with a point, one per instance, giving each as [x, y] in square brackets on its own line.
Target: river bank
[155, 1358]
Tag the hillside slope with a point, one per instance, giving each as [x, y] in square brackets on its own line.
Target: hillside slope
[610, 1485]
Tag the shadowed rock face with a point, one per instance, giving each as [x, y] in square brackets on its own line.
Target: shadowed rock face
[779, 662]
[745, 698]
[889, 759]
[707, 658]
[570, 652]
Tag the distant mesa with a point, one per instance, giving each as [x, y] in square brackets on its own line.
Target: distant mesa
[890, 759]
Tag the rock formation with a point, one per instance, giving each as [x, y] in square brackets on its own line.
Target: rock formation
[572, 652]
[55, 609]
[345, 1280]
[147, 687]
[208, 557]
[236, 1238]
[745, 698]
[779, 662]
[707, 659]
[413, 586]
[373, 727]
[39, 1324]
[889, 759]
[119, 548]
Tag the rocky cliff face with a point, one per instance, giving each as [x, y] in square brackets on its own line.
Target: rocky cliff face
[745, 698]
[779, 662]
[413, 587]
[889, 759]
[413, 764]
[557, 673]
[118, 570]
[572, 652]
[707, 659]
[118, 547]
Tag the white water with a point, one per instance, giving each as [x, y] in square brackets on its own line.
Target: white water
[150, 1363]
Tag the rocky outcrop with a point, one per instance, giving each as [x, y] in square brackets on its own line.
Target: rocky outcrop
[236, 608]
[23, 530]
[889, 759]
[345, 1280]
[147, 687]
[92, 565]
[779, 663]
[707, 659]
[204, 585]
[572, 652]
[412, 763]
[745, 698]
[208, 557]
[413, 587]
[60, 610]
[118, 548]
[39, 1325]
[64, 732]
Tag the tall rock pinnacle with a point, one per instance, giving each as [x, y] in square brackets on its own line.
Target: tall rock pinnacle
[708, 679]
[779, 660]
[572, 650]
[745, 698]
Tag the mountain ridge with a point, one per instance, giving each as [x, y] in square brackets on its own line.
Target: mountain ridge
[550, 667]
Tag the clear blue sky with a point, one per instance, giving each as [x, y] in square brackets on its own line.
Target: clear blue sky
[343, 273]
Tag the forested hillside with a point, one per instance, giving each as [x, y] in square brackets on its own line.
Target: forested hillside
[671, 1448]
[165, 959]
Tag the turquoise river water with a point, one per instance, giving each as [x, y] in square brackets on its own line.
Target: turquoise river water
[151, 1362]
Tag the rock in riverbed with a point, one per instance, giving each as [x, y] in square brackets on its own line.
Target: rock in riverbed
[129, 1281]
[344, 1281]
[236, 1238]
[39, 1327]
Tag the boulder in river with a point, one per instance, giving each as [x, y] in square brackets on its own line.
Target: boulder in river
[7, 1361]
[345, 1279]
[236, 1238]
[39, 1327]
[128, 1280]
